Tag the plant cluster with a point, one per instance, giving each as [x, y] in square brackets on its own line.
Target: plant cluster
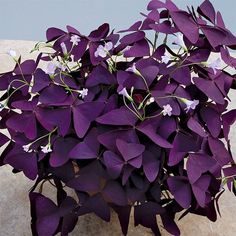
[125, 121]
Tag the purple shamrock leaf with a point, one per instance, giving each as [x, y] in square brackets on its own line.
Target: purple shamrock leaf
[61, 150]
[84, 114]
[23, 161]
[181, 189]
[88, 149]
[198, 164]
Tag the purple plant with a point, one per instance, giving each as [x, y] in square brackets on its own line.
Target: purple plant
[125, 121]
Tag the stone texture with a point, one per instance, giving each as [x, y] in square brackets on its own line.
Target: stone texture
[14, 204]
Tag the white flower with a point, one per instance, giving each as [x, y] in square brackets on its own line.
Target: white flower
[12, 53]
[83, 93]
[75, 39]
[166, 58]
[51, 67]
[215, 65]
[150, 100]
[26, 148]
[167, 110]
[125, 94]
[102, 51]
[60, 65]
[190, 104]
[133, 69]
[108, 46]
[63, 47]
[179, 40]
[46, 149]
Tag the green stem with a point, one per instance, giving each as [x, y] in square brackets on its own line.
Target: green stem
[150, 117]
[9, 96]
[155, 42]
[145, 82]
[141, 104]
[44, 136]
[137, 115]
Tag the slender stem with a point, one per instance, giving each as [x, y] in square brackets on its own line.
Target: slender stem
[17, 62]
[169, 96]
[137, 115]
[227, 177]
[16, 80]
[44, 136]
[150, 117]
[149, 41]
[14, 92]
[145, 82]
[134, 107]
[155, 42]
[141, 104]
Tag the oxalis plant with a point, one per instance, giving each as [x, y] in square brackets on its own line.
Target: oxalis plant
[124, 120]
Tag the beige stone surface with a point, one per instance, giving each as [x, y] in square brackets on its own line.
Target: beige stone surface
[14, 204]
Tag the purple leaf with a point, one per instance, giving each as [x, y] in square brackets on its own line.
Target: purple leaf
[151, 165]
[84, 114]
[210, 89]
[52, 95]
[199, 189]
[100, 33]
[182, 75]
[186, 25]
[228, 119]
[164, 27]
[47, 217]
[121, 116]
[214, 35]
[3, 139]
[196, 127]
[145, 215]
[109, 138]
[124, 216]
[20, 160]
[100, 75]
[51, 118]
[114, 193]
[88, 149]
[155, 4]
[61, 149]
[114, 163]
[79, 50]
[54, 33]
[129, 150]
[26, 68]
[180, 188]
[181, 146]
[97, 205]
[148, 128]
[219, 151]
[132, 38]
[207, 10]
[225, 55]
[198, 164]
[133, 27]
[169, 224]
[25, 123]
[212, 119]
[139, 49]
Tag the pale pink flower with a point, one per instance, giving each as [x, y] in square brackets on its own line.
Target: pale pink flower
[75, 39]
[167, 110]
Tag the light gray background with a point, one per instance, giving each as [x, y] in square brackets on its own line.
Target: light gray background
[29, 19]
